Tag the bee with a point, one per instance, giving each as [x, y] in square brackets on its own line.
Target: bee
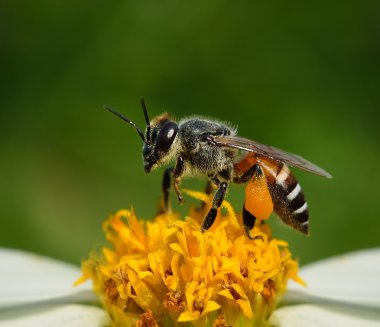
[205, 147]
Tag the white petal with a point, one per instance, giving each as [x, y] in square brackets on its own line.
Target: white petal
[352, 278]
[308, 315]
[27, 278]
[70, 315]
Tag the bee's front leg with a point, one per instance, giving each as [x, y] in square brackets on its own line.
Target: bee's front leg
[166, 181]
[179, 169]
[177, 172]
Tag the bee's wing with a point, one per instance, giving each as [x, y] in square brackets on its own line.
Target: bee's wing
[270, 152]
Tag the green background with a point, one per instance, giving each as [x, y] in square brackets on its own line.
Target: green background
[303, 76]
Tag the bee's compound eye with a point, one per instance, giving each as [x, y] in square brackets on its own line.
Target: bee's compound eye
[166, 136]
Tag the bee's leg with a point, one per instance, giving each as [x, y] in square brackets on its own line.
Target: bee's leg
[258, 202]
[165, 205]
[248, 218]
[248, 222]
[208, 187]
[255, 169]
[178, 172]
[208, 190]
[216, 203]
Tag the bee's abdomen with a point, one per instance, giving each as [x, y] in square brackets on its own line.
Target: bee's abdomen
[288, 199]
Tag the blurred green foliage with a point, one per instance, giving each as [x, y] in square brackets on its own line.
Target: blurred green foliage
[304, 76]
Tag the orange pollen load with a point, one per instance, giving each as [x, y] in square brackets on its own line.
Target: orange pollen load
[258, 200]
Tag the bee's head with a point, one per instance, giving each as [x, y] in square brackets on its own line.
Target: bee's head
[160, 135]
[158, 139]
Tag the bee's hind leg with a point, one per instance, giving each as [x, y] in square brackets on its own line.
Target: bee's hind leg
[248, 222]
[255, 174]
[216, 203]
[255, 169]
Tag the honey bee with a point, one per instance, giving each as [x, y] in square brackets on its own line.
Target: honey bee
[205, 147]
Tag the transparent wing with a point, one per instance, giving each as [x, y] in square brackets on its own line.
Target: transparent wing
[269, 152]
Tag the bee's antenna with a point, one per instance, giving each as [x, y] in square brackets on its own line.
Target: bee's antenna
[138, 129]
[146, 120]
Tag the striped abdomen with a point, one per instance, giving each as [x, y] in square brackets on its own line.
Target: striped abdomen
[287, 196]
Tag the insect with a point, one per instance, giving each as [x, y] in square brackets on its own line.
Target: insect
[210, 148]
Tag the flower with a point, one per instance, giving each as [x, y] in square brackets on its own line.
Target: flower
[174, 273]
[170, 273]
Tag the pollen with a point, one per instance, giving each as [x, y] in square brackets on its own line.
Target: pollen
[166, 272]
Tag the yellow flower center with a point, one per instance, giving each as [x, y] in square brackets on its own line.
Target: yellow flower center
[166, 272]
